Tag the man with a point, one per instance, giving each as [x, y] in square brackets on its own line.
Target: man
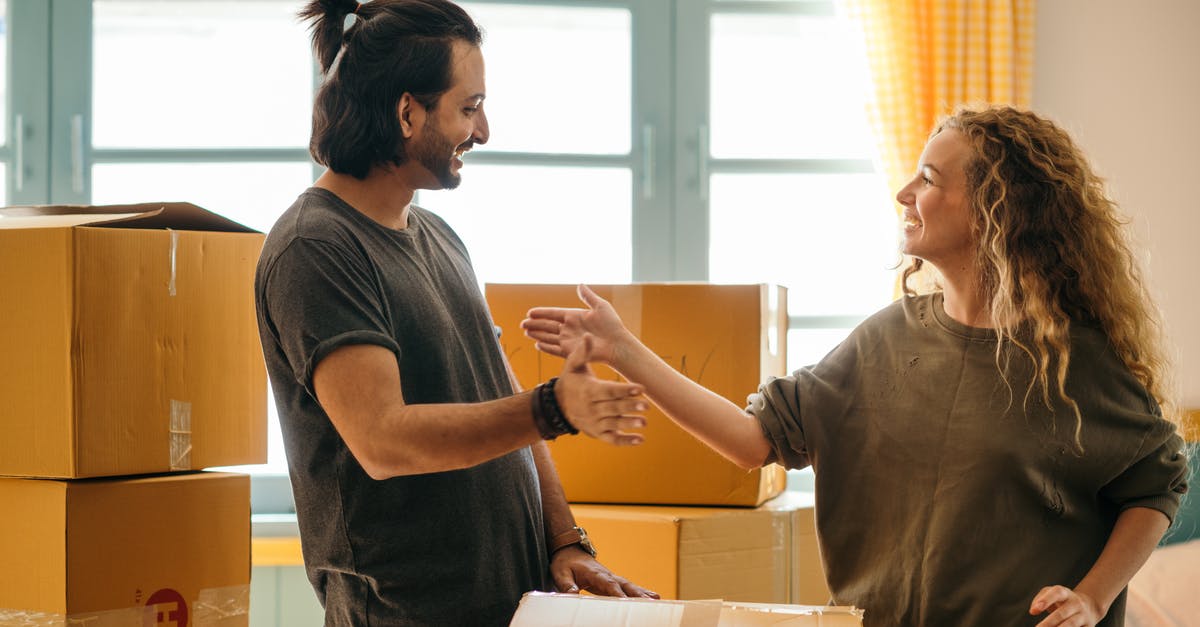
[424, 491]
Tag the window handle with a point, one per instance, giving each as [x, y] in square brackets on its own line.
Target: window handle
[77, 153]
[702, 162]
[647, 161]
[19, 158]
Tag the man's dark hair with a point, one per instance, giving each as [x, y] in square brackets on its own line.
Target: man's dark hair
[392, 47]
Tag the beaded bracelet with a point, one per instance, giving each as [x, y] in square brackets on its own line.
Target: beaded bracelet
[547, 415]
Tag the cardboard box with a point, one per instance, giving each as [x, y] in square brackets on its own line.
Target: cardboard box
[806, 570]
[130, 341]
[539, 609]
[161, 550]
[729, 338]
[737, 554]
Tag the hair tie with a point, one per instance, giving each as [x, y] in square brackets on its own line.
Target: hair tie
[357, 4]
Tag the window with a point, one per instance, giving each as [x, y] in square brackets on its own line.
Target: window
[632, 140]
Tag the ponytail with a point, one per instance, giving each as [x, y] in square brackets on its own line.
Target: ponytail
[328, 19]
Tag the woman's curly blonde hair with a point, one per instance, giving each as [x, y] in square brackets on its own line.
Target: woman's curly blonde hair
[1053, 251]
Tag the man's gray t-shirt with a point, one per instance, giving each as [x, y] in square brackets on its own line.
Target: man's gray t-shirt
[944, 495]
[447, 548]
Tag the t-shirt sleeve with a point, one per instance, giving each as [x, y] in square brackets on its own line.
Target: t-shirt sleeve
[320, 297]
[776, 404]
[1157, 477]
[789, 409]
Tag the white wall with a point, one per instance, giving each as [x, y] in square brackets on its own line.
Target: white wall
[1123, 76]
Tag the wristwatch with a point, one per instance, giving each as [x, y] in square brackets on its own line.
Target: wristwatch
[574, 535]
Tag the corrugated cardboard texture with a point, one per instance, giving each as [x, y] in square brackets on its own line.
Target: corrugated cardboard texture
[735, 554]
[118, 331]
[36, 329]
[107, 546]
[729, 338]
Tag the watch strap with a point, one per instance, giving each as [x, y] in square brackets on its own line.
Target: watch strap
[574, 535]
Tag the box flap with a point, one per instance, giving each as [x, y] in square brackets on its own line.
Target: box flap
[160, 215]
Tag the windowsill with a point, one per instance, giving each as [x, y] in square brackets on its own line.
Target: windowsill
[275, 540]
[274, 526]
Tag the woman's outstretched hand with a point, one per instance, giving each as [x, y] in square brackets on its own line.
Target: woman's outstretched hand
[559, 330]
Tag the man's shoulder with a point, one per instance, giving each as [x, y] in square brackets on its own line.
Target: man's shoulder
[314, 216]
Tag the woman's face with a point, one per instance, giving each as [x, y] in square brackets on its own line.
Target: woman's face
[937, 221]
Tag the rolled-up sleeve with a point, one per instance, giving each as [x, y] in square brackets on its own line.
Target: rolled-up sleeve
[1157, 478]
[777, 407]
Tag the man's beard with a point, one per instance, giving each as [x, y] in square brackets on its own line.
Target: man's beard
[436, 154]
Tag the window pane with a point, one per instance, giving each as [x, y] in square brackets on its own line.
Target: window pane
[3, 73]
[787, 86]
[808, 346]
[832, 239]
[559, 79]
[3, 187]
[542, 224]
[200, 74]
[253, 194]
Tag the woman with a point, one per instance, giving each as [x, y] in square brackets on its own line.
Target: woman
[994, 452]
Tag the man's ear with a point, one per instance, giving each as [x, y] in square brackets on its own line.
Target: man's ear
[411, 114]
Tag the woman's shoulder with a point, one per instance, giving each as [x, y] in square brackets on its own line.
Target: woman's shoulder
[906, 310]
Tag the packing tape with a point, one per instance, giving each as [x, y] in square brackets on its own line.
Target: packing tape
[210, 608]
[181, 435]
[105, 618]
[174, 247]
[215, 605]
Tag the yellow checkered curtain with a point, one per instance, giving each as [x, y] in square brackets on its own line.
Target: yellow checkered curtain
[927, 57]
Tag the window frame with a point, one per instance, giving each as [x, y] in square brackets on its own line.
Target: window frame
[669, 158]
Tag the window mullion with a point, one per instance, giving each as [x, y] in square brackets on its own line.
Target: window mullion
[70, 109]
[653, 138]
[692, 161]
[29, 89]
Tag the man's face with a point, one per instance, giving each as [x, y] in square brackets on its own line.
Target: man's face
[456, 123]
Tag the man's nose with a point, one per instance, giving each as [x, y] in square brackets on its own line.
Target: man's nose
[481, 129]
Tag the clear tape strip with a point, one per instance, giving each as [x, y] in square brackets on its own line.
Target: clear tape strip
[106, 618]
[216, 605]
[181, 435]
[211, 607]
[174, 248]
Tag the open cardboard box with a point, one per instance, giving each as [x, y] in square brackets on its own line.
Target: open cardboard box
[539, 609]
[130, 341]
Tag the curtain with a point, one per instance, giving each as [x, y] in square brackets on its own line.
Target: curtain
[926, 57]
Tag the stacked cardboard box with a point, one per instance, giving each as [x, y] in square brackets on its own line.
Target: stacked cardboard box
[132, 362]
[640, 504]
[728, 338]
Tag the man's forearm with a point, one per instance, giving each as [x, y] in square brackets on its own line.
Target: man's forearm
[556, 513]
[417, 439]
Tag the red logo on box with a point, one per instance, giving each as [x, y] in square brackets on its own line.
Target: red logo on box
[170, 609]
